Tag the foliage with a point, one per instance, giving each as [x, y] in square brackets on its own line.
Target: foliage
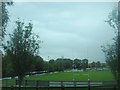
[93, 65]
[60, 64]
[21, 48]
[5, 16]
[111, 57]
[84, 64]
[7, 69]
[78, 64]
[112, 52]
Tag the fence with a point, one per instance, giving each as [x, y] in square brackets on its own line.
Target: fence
[61, 85]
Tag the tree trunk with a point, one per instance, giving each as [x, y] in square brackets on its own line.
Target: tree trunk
[20, 78]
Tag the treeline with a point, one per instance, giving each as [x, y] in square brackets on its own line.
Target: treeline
[60, 64]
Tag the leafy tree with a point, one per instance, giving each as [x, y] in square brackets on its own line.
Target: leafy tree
[93, 65]
[21, 48]
[7, 69]
[84, 64]
[98, 64]
[112, 52]
[4, 15]
[51, 65]
[67, 64]
[38, 63]
[60, 64]
[46, 66]
[78, 63]
[111, 57]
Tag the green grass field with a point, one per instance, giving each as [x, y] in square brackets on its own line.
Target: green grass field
[92, 75]
[63, 76]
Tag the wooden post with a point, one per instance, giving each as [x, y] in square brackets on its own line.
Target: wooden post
[37, 85]
[62, 87]
[88, 85]
[74, 84]
[25, 84]
[16, 83]
[12, 88]
[48, 85]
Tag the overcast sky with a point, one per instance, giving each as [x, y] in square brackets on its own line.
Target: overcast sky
[72, 30]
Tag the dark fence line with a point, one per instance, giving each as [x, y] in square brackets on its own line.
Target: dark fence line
[36, 84]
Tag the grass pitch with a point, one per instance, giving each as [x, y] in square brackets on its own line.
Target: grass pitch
[64, 76]
[81, 76]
